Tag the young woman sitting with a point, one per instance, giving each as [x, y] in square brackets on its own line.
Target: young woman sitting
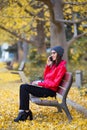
[53, 74]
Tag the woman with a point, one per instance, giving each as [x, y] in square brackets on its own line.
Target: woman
[54, 72]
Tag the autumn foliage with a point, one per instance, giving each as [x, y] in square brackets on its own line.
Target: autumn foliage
[44, 117]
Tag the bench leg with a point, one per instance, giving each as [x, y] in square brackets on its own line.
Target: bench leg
[59, 108]
[65, 108]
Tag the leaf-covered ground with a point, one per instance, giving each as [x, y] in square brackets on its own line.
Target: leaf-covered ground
[45, 118]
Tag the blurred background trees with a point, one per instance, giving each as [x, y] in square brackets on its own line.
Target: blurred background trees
[42, 24]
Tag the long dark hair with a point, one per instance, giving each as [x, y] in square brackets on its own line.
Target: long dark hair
[58, 60]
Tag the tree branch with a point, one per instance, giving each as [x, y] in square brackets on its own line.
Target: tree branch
[16, 35]
[75, 38]
[45, 1]
[76, 3]
[27, 11]
[22, 17]
[70, 21]
[49, 3]
[3, 4]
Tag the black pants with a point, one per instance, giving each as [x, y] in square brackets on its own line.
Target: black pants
[26, 89]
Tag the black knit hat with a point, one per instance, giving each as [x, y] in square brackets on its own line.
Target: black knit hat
[59, 50]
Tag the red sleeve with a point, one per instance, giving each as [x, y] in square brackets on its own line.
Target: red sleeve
[56, 81]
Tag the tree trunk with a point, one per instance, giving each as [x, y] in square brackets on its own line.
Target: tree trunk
[40, 33]
[25, 50]
[57, 29]
[20, 51]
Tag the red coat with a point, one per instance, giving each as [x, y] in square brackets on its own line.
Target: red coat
[53, 76]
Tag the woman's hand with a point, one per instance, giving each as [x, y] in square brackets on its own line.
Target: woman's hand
[49, 62]
[35, 83]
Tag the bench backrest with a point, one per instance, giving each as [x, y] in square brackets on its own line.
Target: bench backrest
[65, 84]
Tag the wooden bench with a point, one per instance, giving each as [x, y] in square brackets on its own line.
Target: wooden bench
[63, 90]
[22, 65]
[20, 68]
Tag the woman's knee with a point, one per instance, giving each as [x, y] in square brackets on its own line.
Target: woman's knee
[23, 86]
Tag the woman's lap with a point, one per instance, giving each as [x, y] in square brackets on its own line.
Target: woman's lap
[38, 91]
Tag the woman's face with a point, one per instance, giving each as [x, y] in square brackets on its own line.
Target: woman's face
[54, 55]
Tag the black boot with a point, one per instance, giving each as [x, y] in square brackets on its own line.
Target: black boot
[22, 116]
[30, 115]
